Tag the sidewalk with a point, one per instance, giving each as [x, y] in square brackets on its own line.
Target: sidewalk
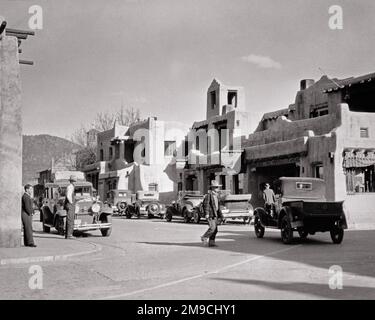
[50, 247]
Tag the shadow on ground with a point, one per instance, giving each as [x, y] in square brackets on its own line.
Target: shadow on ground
[355, 255]
[319, 290]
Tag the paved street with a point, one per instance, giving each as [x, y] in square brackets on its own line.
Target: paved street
[154, 259]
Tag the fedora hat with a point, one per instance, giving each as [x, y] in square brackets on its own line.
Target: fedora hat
[215, 184]
[72, 178]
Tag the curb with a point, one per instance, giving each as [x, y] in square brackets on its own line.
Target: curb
[62, 257]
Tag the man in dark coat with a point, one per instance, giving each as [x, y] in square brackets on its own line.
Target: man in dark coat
[211, 208]
[27, 217]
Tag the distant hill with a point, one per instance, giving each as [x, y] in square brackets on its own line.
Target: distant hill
[38, 152]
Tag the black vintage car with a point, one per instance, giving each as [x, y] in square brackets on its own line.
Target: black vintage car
[90, 213]
[188, 206]
[301, 206]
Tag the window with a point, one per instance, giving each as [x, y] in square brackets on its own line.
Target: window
[169, 148]
[213, 99]
[110, 153]
[232, 98]
[303, 185]
[222, 182]
[318, 112]
[319, 171]
[364, 133]
[101, 155]
[152, 187]
[197, 143]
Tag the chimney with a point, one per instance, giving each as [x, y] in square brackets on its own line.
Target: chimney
[306, 83]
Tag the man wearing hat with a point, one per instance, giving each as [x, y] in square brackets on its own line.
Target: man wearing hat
[27, 217]
[211, 208]
[70, 208]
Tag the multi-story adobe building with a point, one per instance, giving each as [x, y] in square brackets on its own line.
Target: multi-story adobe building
[213, 146]
[329, 133]
[139, 157]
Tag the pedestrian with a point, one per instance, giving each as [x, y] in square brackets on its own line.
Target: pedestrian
[27, 217]
[70, 208]
[269, 200]
[212, 211]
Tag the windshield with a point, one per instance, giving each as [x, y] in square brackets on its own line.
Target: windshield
[82, 191]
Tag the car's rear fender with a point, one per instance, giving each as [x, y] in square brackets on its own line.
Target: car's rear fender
[262, 214]
[285, 211]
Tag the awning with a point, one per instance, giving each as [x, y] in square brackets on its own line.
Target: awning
[358, 160]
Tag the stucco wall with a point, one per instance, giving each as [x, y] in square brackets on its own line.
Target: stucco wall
[10, 144]
[348, 137]
[285, 129]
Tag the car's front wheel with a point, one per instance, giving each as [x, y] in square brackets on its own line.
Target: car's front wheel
[337, 235]
[185, 215]
[196, 216]
[106, 232]
[128, 214]
[258, 228]
[60, 225]
[286, 230]
[168, 215]
[303, 233]
[46, 229]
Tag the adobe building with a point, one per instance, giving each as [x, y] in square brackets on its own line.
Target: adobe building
[213, 147]
[139, 157]
[328, 133]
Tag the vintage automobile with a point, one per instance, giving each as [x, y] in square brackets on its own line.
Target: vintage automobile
[188, 206]
[236, 206]
[146, 203]
[301, 206]
[119, 200]
[90, 213]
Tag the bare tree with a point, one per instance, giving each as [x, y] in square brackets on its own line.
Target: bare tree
[80, 136]
[104, 121]
[130, 116]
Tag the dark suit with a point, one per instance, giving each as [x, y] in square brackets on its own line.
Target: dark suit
[27, 219]
[213, 212]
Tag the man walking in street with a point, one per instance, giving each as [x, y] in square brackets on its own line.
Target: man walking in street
[27, 217]
[70, 208]
[211, 208]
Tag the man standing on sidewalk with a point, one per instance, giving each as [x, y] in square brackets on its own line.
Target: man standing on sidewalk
[27, 217]
[70, 208]
[212, 213]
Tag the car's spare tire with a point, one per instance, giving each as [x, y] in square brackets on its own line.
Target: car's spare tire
[121, 206]
[153, 209]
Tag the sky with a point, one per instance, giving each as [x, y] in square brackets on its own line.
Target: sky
[160, 56]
